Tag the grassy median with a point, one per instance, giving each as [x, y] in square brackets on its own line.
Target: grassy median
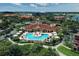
[67, 52]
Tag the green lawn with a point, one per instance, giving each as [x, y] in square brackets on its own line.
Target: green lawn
[67, 51]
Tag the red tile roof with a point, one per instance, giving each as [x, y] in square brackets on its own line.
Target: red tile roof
[40, 27]
[76, 40]
[26, 17]
[9, 15]
[59, 17]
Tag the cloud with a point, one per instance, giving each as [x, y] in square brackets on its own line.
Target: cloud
[17, 4]
[33, 5]
[57, 3]
[39, 5]
[42, 4]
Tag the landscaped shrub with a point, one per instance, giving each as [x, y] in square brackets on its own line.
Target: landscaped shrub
[8, 49]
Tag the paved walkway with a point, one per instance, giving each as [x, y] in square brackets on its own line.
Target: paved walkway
[45, 46]
[18, 43]
[66, 47]
[61, 54]
[55, 47]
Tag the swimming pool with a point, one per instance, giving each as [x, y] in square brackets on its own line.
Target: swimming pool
[30, 36]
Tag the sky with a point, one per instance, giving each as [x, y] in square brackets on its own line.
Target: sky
[39, 7]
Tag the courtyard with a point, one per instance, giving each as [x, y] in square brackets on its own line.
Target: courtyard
[54, 35]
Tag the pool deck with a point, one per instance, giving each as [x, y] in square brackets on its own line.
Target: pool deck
[22, 37]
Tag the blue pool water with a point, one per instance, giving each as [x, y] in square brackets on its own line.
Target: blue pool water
[30, 36]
